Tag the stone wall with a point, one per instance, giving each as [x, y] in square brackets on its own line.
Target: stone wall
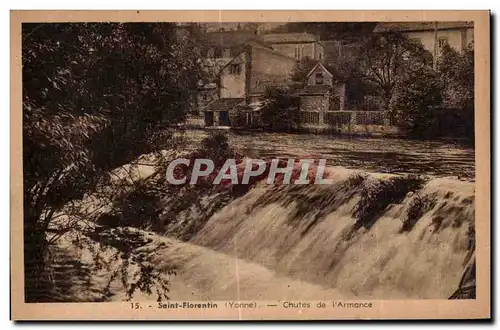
[268, 65]
[314, 103]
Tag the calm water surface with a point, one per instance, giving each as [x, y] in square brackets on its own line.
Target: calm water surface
[434, 158]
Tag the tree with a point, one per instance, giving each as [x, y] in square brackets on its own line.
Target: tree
[457, 75]
[388, 56]
[456, 72]
[95, 96]
[281, 110]
[416, 96]
[344, 64]
[302, 68]
[328, 30]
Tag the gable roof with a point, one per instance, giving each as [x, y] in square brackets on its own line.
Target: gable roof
[277, 38]
[319, 64]
[420, 26]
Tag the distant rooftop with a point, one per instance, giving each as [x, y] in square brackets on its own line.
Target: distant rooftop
[277, 38]
[420, 26]
[235, 41]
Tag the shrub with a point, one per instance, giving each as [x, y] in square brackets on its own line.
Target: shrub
[131, 263]
[417, 95]
[281, 110]
[138, 206]
[94, 97]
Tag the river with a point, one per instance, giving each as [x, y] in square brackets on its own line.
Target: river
[384, 155]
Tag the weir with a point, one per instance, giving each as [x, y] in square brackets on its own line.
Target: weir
[366, 236]
[414, 247]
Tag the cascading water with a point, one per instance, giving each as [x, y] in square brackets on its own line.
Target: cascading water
[365, 236]
[415, 247]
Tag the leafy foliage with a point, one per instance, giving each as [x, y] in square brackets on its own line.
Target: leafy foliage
[281, 110]
[417, 95]
[302, 68]
[328, 30]
[94, 97]
[386, 57]
[457, 74]
[457, 77]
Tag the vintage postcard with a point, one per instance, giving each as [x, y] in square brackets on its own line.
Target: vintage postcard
[257, 165]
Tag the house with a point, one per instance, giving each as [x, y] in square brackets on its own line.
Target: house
[222, 46]
[296, 45]
[219, 49]
[434, 35]
[242, 82]
[207, 93]
[322, 91]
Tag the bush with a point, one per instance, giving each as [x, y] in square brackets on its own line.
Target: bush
[138, 206]
[417, 95]
[94, 97]
[217, 148]
[281, 110]
[457, 77]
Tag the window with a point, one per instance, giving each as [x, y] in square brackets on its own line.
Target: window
[299, 52]
[234, 69]
[319, 78]
[226, 52]
[442, 41]
[210, 53]
[320, 56]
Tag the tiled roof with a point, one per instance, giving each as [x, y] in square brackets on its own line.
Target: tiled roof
[316, 89]
[419, 26]
[261, 87]
[223, 104]
[289, 37]
[336, 75]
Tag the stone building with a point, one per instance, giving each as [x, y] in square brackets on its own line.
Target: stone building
[433, 35]
[322, 91]
[243, 79]
[296, 45]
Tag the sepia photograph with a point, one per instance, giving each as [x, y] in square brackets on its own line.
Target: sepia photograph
[248, 165]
